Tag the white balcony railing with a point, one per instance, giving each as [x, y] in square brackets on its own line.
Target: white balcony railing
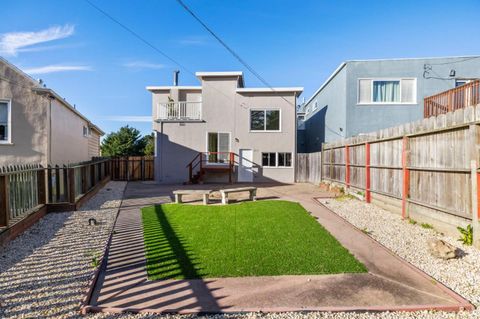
[179, 111]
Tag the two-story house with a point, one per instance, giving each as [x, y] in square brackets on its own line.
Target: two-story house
[364, 96]
[224, 131]
[37, 126]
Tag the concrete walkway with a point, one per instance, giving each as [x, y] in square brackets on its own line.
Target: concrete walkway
[390, 284]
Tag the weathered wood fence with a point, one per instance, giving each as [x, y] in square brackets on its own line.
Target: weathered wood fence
[308, 168]
[429, 167]
[27, 188]
[133, 168]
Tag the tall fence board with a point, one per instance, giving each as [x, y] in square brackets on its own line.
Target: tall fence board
[133, 168]
[308, 168]
[426, 163]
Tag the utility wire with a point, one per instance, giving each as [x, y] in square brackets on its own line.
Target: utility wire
[136, 35]
[149, 44]
[458, 61]
[229, 49]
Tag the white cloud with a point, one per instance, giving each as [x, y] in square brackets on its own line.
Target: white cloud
[128, 118]
[57, 68]
[11, 43]
[143, 65]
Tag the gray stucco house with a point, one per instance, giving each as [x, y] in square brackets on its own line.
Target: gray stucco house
[367, 95]
[224, 131]
[38, 126]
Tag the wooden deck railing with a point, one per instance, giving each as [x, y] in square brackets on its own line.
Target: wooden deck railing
[451, 100]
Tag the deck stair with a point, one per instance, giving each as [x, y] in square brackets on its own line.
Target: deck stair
[210, 162]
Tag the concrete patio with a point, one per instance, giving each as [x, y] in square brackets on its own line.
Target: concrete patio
[390, 284]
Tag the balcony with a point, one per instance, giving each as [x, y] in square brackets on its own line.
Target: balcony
[451, 100]
[179, 111]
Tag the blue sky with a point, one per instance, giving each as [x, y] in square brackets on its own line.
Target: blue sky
[102, 69]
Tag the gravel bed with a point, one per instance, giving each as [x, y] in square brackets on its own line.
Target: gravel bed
[45, 271]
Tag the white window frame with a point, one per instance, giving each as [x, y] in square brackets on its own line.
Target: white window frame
[9, 121]
[265, 124]
[276, 160]
[229, 146]
[85, 131]
[387, 103]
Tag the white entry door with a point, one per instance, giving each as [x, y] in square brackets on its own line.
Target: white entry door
[245, 167]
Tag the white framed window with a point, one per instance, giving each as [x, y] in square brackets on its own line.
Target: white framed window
[85, 131]
[265, 120]
[5, 122]
[218, 147]
[387, 91]
[277, 159]
[460, 82]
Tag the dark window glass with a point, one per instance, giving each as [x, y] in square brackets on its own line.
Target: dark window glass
[272, 159]
[269, 159]
[281, 159]
[288, 159]
[264, 159]
[273, 120]
[257, 120]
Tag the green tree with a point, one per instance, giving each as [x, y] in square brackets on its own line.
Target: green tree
[149, 145]
[127, 141]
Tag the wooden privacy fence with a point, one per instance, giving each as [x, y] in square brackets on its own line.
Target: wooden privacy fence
[308, 168]
[451, 100]
[432, 163]
[132, 168]
[25, 188]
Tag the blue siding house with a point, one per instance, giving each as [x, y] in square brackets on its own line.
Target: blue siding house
[365, 96]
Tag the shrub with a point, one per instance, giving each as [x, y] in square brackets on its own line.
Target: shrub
[466, 235]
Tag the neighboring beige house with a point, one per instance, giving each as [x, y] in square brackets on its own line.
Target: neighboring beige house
[39, 126]
[224, 129]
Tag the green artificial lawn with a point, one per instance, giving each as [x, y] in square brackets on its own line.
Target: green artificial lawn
[263, 238]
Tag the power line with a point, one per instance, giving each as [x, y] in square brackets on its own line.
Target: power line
[149, 44]
[454, 62]
[229, 49]
[136, 35]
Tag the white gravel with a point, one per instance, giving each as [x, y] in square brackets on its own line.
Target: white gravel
[45, 271]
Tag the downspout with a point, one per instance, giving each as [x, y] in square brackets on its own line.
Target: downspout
[295, 139]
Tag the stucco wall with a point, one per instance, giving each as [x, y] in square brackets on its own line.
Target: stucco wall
[341, 96]
[330, 113]
[370, 118]
[224, 111]
[68, 145]
[28, 120]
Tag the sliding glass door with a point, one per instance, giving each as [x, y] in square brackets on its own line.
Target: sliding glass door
[218, 147]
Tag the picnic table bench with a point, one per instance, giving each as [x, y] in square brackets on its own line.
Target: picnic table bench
[252, 192]
[204, 192]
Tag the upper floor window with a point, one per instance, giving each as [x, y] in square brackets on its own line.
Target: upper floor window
[5, 122]
[86, 131]
[460, 82]
[265, 120]
[387, 91]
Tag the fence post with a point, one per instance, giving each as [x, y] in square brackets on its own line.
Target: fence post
[406, 177]
[347, 166]
[41, 187]
[367, 173]
[71, 185]
[4, 204]
[49, 184]
[83, 170]
[475, 182]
